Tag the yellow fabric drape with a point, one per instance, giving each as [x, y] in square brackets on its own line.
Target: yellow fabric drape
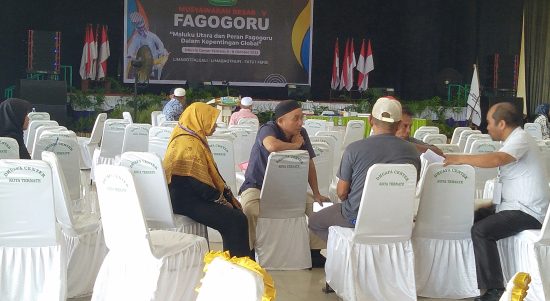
[188, 153]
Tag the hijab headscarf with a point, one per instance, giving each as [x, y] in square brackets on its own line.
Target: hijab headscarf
[12, 117]
[188, 153]
[543, 109]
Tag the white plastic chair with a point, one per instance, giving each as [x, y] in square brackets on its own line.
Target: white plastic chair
[38, 116]
[323, 166]
[448, 148]
[424, 130]
[42, 129]
[444, 255]
[153, 193]
[154, 117]
[32, 253]
[222, 150]
[474, 137]
[464, 136]
[529, 251]
[456, 133]
[355, 130]
[254, 123]
[33, 126]
[282, 235]
[136, 137]
[83, 235]
[313, 126]
[534, 129]
[160, 132]
[141, 264]
[332, 145]
[435, 138]
[170, 124]
[111, 143]
[9, 148]
[243, 141]
[88, 145]
[484, 146]
[127, 116]
[228, 281]
[375, 260]
[65, 146]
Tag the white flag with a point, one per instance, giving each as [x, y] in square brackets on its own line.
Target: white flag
[473, 109]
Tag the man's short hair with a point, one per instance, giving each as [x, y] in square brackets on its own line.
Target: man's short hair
[389, 126]
[406, 111]
[509, 113]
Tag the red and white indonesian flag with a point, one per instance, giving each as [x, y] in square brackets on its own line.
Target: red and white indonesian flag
[335, 68]
[89, 55]
[346, 79]
[364, 66]
[104, 53]
[345, 66]
[473, 109]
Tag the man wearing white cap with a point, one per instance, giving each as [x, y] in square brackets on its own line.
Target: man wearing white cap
[244, 112]
[173, 109]
[381, 147]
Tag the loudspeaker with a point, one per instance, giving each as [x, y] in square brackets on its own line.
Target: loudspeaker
[46, 96]
[488, 101]
[43, 51]
[502, 71]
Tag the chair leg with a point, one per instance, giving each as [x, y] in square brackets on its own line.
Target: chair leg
[327, 289]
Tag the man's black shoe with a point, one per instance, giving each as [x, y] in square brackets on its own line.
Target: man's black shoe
[317, 260]
[492, 294]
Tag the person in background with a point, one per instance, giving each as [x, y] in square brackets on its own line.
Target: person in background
[381, 147]
[404, 132]
[522, 203]
[542, 119]
[244, 112]
[284, 133]
[197, 189]
[14, 120]
[173, 108]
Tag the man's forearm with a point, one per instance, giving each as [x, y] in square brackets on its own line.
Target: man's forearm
[312, 178]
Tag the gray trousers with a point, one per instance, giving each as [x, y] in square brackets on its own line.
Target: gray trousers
[320, 221]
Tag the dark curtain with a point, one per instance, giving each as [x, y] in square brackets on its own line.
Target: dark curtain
[537, 52]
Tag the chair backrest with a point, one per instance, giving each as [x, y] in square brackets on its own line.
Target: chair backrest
[243, 141]
[226, 280]
[151, 187]
[333, 149]
[323, 165]
[448, 148]
[284, 188]
[170, 124]
[423, 131]
[160, 119]
[154, 115]
[65, 146]
[252, 122]
[313, 126]
[136, 137]
[484, 146]
[127, 116]
[62, 199]
[224, 156]
[9, 148]
[482, 175]
[473, 137]
[124, 227]
[464, 136]
[113, 137]
[97, 130]
[158, 147]
[27, 214]
[33, 126]
[456, 133]
[337, 135]
[160, 132]
[387, 204]
[432, 138]
[534, 129]
[545, 158]
[39, 116]
[355, 130]
[42, 129]
[545, 230]
[447, 202]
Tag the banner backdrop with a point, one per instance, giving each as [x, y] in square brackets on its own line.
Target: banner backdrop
[243, 42]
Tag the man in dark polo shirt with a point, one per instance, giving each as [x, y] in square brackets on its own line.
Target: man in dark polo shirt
[284, 133]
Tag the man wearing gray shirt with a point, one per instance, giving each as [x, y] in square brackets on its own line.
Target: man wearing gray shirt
[381, 147]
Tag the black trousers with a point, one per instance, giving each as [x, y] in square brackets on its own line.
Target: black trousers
[487, 229]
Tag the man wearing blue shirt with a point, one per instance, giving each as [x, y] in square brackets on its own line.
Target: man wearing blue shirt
[173, 109]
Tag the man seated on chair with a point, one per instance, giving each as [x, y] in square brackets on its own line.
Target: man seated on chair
[524, 197]
[284, 133]
[244, 112]
[381, 147]
[404, 132]
[173, 109]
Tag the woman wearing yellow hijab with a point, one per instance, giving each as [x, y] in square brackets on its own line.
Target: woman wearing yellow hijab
[196, 187]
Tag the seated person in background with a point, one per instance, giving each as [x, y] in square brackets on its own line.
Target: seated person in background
[523, 202]
[14, 120]
[197, 190]
[404, 132]
[244, 112]
[542, 119]
[285, 133]
[173, 109]
[381, 147]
